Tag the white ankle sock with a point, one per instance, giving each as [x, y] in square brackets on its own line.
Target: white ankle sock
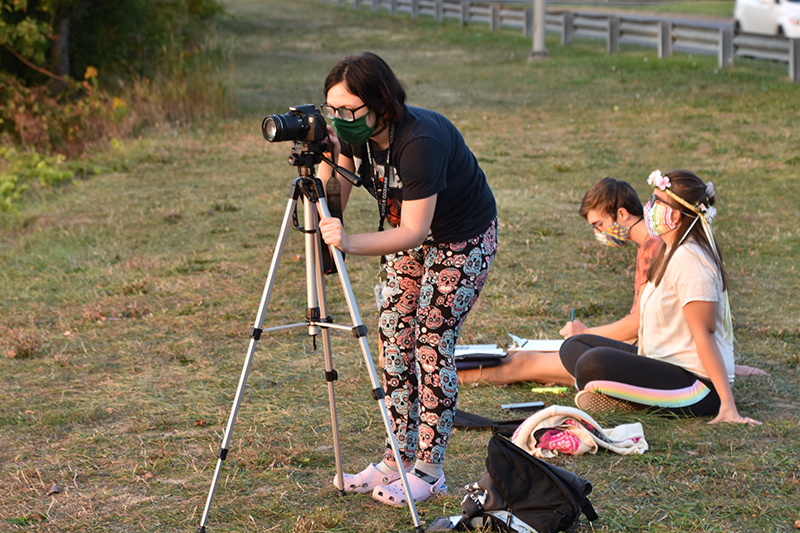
[386, 468]
[428, 472]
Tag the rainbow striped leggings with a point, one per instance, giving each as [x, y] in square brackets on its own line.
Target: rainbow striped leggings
[615, 369]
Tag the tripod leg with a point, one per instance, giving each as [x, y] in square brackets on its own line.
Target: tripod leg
[360, 331]
[254, 337]
[331, 375]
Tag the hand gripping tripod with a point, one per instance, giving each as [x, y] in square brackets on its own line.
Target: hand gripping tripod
[308, 188]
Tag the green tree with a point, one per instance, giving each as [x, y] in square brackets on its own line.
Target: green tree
[25, 36]
[73, 71]
[45, 40]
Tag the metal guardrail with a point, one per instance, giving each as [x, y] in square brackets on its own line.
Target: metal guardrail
[666, 34]
[511, 14]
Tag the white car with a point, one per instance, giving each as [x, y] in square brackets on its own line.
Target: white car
[768, 17]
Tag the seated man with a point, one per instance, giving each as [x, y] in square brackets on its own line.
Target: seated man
[615, 214]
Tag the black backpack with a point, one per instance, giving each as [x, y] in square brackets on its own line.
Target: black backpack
[517, 487]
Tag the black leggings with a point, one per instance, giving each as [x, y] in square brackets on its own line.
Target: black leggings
[615, 369]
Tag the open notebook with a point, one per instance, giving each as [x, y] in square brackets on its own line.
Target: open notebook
[484, 355]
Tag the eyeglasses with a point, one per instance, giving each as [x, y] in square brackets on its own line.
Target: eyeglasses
[596, 225]
[654, 199]
[343, 113]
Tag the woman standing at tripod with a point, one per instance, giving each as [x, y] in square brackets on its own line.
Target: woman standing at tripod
[435, 253]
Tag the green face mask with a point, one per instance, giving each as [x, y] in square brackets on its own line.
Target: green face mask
[354, 133]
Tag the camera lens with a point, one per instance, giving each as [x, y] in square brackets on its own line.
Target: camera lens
[273, 128]
[270, 129]
[286, 127]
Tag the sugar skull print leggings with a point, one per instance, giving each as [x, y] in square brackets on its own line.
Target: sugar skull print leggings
[432, 289]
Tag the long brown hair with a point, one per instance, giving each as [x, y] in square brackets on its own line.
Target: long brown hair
[689, 187]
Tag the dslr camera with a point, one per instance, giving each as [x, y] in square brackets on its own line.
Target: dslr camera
[306, 127]
[302, 124]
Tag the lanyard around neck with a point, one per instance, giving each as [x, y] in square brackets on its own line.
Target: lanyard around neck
[383, 200]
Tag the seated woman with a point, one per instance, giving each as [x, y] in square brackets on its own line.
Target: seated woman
[684, 360]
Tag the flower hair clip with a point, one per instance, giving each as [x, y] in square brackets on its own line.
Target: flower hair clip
[658, 180]
[709, 213]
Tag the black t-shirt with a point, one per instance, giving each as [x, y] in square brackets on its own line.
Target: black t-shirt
[429, 156]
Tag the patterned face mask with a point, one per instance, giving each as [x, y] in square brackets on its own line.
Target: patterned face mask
[615, 236]
[658, 218]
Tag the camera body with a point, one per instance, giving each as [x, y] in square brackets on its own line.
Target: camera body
[303, 124]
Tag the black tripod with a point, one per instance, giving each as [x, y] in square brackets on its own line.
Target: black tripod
[308, 188]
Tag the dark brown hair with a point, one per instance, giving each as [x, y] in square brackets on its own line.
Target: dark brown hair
[370, 78]
[689, 187]
[608, 195]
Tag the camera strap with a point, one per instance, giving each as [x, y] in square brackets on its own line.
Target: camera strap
[383, 195]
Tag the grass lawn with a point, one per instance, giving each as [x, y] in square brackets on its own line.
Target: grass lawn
[126, 298]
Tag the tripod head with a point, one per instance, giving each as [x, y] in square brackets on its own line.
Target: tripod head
[306, 155]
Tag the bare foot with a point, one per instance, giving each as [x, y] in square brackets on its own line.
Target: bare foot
[744, 370]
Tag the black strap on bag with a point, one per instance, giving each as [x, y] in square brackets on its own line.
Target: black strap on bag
[544, 497]
[465, 420]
